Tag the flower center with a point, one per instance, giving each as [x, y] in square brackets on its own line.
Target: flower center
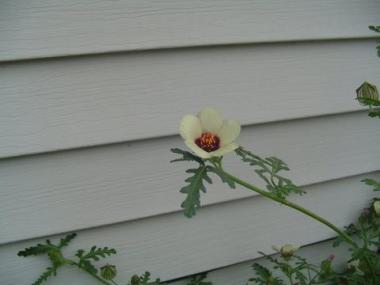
[208, 142]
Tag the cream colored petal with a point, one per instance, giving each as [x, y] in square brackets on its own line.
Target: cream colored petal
[190, 127]
[225, 149]
[197, 150]
[211, 120]
[229, 132]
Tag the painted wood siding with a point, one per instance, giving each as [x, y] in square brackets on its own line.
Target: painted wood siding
[90, 100]
[76, 102]
[42, 28]
[172, 246]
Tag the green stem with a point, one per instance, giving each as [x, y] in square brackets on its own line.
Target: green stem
[269, 195]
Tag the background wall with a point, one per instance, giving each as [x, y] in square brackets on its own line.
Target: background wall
[90, 100]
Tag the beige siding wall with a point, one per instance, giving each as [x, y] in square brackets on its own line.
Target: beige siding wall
[91, 96]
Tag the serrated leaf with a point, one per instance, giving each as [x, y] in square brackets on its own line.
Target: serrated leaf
[50, 271]
[372, 182]
[264, 276]
[192, 190]
[301, 278]
[88, 266]
[375, 28]
[374, 113]
[199, 279]
[144, 280]
[186, 156]
[66, 240]
[96, 253]
[261, 271]
[268, 169]
[224, 177]
[35, 250]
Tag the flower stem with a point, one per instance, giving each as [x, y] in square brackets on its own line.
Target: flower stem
[301, 209]
[71, 262]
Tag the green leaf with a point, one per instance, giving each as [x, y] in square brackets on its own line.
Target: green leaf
[372, 182]
[88, 266]
[66, 240]
[96, 253]
[50, 271]
[52, 251]
[35, 250]
[264, 276]
[223, 176]
[144, 280]
[301, 278]
[186, 156]
[374, 113]
[368, 101]
[261, 271]
[192, 190]
[268, 169]
[376, 29]
[199, 279]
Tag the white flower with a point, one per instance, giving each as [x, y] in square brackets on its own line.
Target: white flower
[208, 135]
[376, 207]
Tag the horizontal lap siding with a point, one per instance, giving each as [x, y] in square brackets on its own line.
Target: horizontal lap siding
[110, 184]
[125, 193]
[44, 28]
[68, 103]
[172, 246]
[238, 274]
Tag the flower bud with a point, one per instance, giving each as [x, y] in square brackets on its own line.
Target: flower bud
[376, 207]
[108, 272]
[288, 250]
[135, 280]
[367, 91]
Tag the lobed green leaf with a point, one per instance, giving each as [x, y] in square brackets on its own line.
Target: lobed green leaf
[199, 279]
[66, 240]
[50, 271]
[372, 182]
[193, 189]
[268, 169]
[186, 156]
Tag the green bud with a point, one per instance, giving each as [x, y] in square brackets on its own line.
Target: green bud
[108, 272]
[288, 250]
[135, 280]
[367, 91]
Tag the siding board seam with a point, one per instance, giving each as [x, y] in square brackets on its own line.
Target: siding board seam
[186, 47]
[161, 214]
[360, 109]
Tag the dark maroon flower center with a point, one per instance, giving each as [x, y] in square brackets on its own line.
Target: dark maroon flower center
[208, 142]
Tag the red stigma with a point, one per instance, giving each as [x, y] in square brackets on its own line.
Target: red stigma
[208, 142]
